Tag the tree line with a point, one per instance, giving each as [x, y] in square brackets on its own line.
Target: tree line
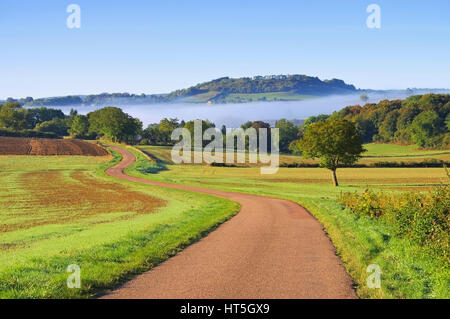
[420, 119]
[108, 122]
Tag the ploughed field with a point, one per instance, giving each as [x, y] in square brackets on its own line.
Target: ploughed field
[32, 146]
[57, 211]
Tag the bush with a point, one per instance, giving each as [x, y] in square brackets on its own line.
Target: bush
[56, 126]
[421, 217]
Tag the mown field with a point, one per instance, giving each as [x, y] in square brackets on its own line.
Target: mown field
[267, 97]
[408, 270]
[376, 153]
[249, 97]
[61, 210]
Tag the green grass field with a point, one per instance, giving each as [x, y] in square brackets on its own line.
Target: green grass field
[58, 211]
[250, 97]
[266, 97]
[375, 153]
[393, 150]
[408, 271]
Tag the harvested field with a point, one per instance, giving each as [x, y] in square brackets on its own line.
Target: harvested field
[61, 197]
[408, 270]
[44, 147]
[61, 210]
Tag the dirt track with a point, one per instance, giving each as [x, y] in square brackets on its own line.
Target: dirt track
[30, 146]
[272, 249]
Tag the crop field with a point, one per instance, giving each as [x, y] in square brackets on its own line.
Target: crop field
[304, 180]
[202, 97]
[29, 146]
[61, 210]
[393, 150]
[56, 211]
[387, 153]
[270, 96]
[249, 97]
[360, 241]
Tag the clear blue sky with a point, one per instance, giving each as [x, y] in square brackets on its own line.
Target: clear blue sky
[158, 46]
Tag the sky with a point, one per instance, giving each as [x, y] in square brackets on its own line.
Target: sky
[159, 46]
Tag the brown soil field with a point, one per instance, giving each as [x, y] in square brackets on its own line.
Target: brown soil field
[29, 146]
[59, 197]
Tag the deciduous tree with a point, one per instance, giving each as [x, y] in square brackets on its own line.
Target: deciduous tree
[335, 142]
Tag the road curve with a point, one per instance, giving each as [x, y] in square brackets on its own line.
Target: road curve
[272, 249]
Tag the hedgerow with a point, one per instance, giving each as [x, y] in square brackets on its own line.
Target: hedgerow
[421, 217]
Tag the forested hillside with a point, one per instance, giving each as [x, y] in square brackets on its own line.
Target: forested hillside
[222, 90]
[420, 119]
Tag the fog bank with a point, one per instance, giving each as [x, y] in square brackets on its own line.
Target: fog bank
[233, 115]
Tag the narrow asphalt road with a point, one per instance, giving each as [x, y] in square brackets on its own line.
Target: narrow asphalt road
[272, 249]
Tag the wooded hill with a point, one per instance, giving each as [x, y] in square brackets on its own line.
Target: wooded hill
[420, 119]
[288, 87]
[223, 90]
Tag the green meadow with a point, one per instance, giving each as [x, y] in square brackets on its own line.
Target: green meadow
[248, 97]
[408, 271]
[375, 153]
[266, 97]
[63, 210]
[402, 151]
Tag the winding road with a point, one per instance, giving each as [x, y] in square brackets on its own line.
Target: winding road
[272, 249]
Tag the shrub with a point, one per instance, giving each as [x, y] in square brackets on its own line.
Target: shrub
[421, 217]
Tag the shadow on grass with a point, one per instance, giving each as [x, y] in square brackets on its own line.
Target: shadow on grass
[147, 167]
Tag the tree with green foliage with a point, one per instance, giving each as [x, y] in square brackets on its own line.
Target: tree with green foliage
[388, 127]
[407, 115]
[161, 133]
[425, 127]
[13, 116]
[113, 123]
[166, 127]
[257, 125]
[288, 132]
[294, 147]
[335, 142]
[36, 116]
[206, 124]
[246, 125]
[312, 119]
[57, 126]
[151, 135]
[79, 127]
[375, 121]
[365, 128]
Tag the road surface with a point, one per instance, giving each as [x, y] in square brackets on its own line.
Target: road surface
[272, 249]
